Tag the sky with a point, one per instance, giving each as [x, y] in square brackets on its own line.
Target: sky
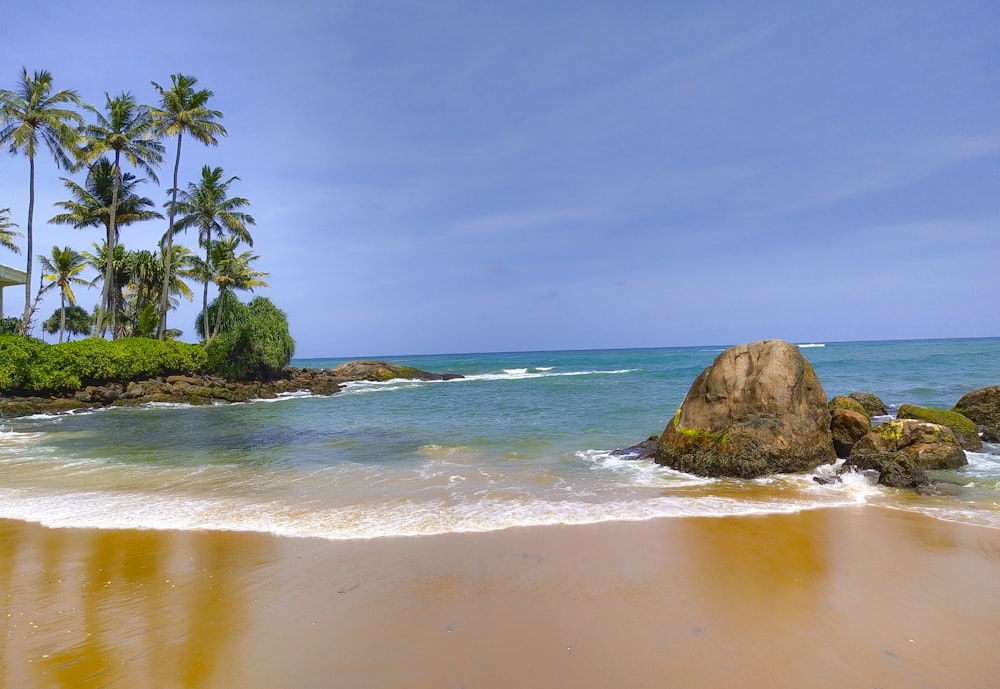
[443, 176]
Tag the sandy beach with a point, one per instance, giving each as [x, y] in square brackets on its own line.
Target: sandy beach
[850, 597]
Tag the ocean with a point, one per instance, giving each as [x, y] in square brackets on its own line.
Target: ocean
[524, 439]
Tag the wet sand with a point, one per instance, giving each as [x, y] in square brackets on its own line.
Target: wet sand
[855, 597]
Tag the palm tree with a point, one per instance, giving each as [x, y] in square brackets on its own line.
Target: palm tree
[33, 115]
[207, 207]
[91, 202]
[229, 271]
[75, 320]
[127, 130]
[182, 109]
[61, 269]
[7, 234]
[141, 274]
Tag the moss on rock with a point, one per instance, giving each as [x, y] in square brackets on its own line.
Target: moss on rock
[848, 403]
[965, 429]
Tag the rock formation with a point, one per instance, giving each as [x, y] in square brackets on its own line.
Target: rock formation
[983, 407]
[873, 405]
[214, 390]
[383, 370]
[758, 409]
[847, 427]
[903, 449]
[964, 428]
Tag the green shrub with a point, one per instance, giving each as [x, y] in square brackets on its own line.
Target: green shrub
[32, 366]
[9, 326]
[254, 342]
[17, 354]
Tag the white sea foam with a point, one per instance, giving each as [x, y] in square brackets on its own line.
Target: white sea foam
[99, 509]
[812, 344]
[522, 373]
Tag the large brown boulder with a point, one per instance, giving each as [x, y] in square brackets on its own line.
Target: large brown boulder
[902, 449]
[848, 426]
[982, 406]
[758, 409]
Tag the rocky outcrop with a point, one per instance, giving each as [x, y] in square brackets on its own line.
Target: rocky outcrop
[965, 430]
[903, 449]
[849, 403]
[212, 390]
[758, 409]
[375, 371]
[982, 406]
[848, 426]
[873, 405]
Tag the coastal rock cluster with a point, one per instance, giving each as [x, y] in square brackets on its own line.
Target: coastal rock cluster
[212, 390]
[760, 409]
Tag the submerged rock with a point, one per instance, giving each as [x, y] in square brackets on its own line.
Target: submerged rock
[758, 409]
[644, 450]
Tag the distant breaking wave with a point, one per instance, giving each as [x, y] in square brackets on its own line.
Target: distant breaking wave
[505, 374]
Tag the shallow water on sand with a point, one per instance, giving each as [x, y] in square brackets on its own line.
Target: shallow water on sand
[525, 438]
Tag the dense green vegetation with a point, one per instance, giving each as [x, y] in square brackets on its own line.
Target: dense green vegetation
[254, 340]
[28, 365]
[139, 286]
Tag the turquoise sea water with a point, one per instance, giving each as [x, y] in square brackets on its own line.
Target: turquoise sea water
[524, 439]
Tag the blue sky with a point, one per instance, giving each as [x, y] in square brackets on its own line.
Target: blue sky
[456, 176]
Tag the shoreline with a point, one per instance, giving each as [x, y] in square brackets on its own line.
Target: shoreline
[836, 597]
[198, 389]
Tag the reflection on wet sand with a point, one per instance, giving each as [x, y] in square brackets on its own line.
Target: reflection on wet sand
[120, 608]
[823, 599]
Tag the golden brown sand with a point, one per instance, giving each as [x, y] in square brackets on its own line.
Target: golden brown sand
[857, 597]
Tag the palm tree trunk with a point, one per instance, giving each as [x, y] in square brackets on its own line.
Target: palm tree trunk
[109, 269]
[204, 297]
[218, 316]
[26, 318]
[167, 254]
[62, 313]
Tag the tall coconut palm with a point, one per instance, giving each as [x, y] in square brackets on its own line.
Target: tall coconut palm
[126, 130]
[229, 271]
[208, 207]
[61, 269]
[32, 115]
[7, 233]
[90, 205]
[182, 109]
